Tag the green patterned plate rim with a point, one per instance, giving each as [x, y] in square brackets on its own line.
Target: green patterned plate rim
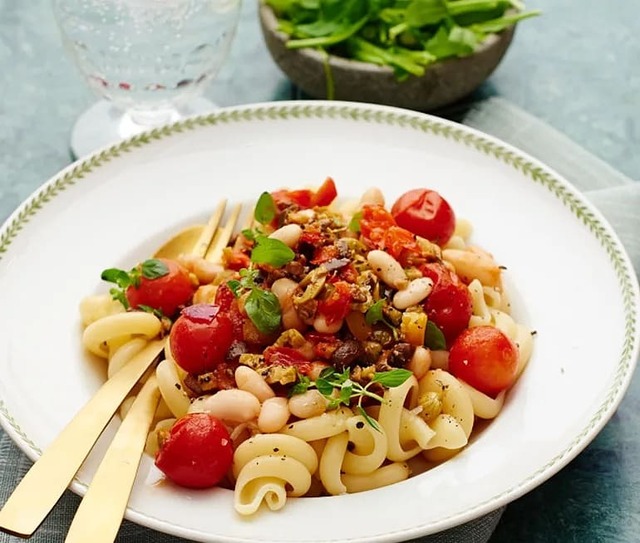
[365, 113]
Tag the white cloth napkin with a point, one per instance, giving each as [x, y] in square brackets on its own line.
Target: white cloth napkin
[614, 194]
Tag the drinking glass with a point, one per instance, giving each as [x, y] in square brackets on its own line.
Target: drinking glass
[149, 61]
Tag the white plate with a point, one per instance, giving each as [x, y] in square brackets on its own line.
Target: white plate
[569, 277]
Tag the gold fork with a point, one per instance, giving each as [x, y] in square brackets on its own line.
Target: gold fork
[45, 482]
[100, 513]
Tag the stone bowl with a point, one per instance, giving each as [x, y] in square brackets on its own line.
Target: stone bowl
[443, 83]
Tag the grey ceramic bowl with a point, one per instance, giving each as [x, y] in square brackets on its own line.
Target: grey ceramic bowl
[443, 83]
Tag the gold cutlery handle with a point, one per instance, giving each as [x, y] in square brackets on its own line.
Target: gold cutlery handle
[46, 481]
[100, 513]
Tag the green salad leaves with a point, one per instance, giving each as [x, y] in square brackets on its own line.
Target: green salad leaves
[406, 35]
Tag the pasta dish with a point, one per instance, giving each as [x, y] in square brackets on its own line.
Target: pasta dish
[332, 346]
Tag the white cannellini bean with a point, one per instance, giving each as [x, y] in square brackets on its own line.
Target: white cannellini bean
[420, 362]
[288, 234]
[231, 405]
[308, 404]
[284, 289]
[416, 291]
[323, 327]
[387, 268]
[273, 415]
[372, 196]
[251, 381]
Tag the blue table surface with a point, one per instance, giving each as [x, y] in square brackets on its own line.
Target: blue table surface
[577, 68]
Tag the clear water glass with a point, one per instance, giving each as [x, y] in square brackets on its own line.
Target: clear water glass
[149, 60]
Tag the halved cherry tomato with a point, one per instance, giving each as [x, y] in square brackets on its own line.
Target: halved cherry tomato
[197, 453]
[425, 213]
[449, 305]
[166, 293]
[484, 358]
[402, 245]
[200, 338]
[337, 305]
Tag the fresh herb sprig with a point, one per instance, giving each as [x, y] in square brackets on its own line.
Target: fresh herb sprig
[339, 389]
[149, 269]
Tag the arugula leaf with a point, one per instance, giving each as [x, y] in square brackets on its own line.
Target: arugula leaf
[263, 309]
[152, 310]
[153, 269]
[434, 338]
[266, 209]
[392, 378]
[271, 251]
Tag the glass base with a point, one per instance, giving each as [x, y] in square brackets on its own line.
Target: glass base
[104, 124]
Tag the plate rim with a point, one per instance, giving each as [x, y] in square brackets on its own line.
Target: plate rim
[533, 169]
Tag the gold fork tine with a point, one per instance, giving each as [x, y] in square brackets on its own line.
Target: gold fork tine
[48, 478]
[100, 513]
[207, 235]
[220, 241]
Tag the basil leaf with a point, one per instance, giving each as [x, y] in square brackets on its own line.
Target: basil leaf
[374, 313]
[271, 251]
[235, 286]
[372, 422]
[354, 224]
[119, 277]
[263, 309]
[249, 234]
[434, 338]
[392, 378]
[154, 268]
[266, 209]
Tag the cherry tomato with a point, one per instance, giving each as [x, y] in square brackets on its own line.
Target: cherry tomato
[425, 213]
[166, 293]
[449, 305]
[484, 358]
[200, 338]
[286, 356]
[198, 452]
[336, 306]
